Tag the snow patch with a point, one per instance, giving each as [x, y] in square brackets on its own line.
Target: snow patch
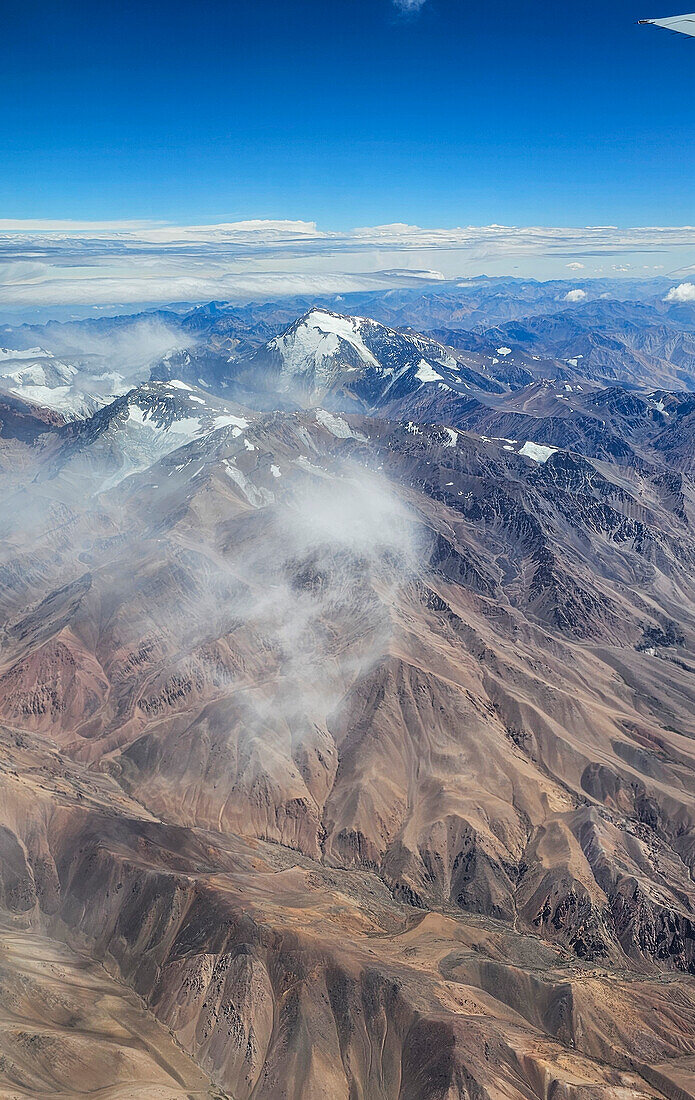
[51, 397]
[304, 464]
[187, 426]
[34, 375]
[537, 451]
[426, 373]
[347, 328]
[237, 423]
[27, 353]
[256, 497]
[335, 425]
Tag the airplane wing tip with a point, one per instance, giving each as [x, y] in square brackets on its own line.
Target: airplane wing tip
[680, 24]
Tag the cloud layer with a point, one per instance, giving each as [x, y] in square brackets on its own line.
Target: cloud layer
[101, 265]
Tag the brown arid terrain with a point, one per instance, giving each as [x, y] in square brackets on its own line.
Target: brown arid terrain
[68, 1028]
[349, 755]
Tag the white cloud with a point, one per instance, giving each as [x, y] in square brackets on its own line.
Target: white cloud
[160, 282]
[409, 5]
[574, 296]
[683, 293]
[107, 264]
[246, 232]
[429, 276]
[575, 267]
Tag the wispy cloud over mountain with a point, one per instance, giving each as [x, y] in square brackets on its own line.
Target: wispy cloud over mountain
[99, 265]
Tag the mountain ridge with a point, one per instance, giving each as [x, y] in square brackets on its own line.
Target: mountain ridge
[355, 736]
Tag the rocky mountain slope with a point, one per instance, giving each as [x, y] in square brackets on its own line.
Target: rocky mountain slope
[354, 736]
[635, 344]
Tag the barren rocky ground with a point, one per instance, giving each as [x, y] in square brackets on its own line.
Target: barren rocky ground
[349, 754]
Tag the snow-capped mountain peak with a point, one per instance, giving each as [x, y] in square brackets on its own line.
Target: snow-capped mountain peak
[142, 426]
[351, 362]
[322, 340]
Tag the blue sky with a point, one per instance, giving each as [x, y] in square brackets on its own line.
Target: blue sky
[347, 112]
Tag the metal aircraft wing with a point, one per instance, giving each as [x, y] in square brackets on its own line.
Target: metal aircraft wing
[682, 24]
